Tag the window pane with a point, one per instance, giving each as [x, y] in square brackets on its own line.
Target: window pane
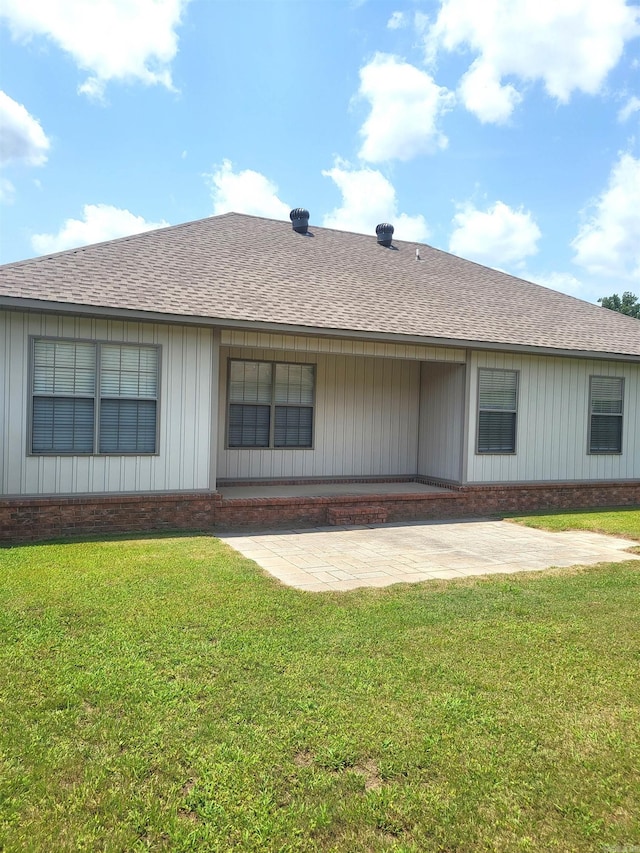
[606, 395]
[127, 371]
[127, 426]
[498, 389]
[248, 425]
[63, 425]
[606, 434]
[294, 383]
[64, 367]
[250, 382]
[497, 432]
[293, 426]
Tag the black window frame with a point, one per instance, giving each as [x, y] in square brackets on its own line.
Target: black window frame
[96, 397]
[480, 410]
[619, 416]
[273, 406]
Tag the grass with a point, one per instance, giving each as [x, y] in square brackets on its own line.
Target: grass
[164, 694]
[617, 522]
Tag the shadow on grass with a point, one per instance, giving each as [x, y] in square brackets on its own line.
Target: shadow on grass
[128, 536]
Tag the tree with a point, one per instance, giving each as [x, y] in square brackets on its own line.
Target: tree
[628, 304]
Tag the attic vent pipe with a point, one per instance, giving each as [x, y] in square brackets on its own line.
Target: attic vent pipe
[299, 220]
[384, 232]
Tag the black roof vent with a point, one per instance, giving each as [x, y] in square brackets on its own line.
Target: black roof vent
[385, 234]
[300, 220]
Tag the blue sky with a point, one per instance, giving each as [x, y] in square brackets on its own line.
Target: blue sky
[506, 131]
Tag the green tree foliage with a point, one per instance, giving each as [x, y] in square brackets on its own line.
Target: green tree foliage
[628, 304]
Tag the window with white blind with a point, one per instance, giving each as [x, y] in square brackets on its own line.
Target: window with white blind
[606, 395]
[497, 410]
[93, 398]
[270, 404]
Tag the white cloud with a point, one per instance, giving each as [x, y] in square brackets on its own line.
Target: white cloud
[632, 106]
[567, 44]
[245, 192]
[608, 243]
[22, 139]
[397, 21]
[421, 22]
[7, 191]
[100, 222]
[484, 95]
[111, 39]
[565, 282]
[406, 104]
[368, 198]
[499, 236]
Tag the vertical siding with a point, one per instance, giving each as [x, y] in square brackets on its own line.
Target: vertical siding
[441, 421]
[366, 420]
[186, 392]
[553, 421]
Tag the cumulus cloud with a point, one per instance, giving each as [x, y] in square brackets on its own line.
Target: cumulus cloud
[632, 106]
[397, 21]
[498, 236]
[245, 192]
[608, 243]
[483, 94]
[100, 222]
[7, 191]
[565, 282]
[569, 45]
[406, 104]
[111, 39]
[22, 139]
[368, 198]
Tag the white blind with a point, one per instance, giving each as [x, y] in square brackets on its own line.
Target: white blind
[250, 382]
[498, 390]
[294, 384]
[128, 371]
[606, 395]
[64, 368]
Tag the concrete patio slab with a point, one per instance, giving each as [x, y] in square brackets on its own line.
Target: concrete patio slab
[337, 558]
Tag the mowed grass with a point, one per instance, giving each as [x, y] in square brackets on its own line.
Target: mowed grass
[616, 522]
[165, 694]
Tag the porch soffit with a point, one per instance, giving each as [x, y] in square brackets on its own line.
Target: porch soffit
[340, 346]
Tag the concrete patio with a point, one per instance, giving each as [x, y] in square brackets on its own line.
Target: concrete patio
[345, 558]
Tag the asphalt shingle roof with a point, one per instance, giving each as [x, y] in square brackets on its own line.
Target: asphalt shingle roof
[244, 268]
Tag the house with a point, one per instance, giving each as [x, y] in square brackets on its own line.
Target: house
[238, 370]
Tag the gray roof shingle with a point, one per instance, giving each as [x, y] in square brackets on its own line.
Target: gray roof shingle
[238, 268]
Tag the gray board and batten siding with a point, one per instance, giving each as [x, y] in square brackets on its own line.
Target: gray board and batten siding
[396, 343]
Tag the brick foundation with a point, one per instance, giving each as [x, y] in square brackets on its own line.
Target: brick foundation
[33, 519]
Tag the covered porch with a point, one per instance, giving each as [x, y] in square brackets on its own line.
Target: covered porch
[323, 418]
[324, 503]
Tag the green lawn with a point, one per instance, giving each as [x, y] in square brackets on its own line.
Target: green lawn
[164, 694]
[618, 522]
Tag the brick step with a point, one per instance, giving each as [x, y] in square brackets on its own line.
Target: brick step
[345, 515]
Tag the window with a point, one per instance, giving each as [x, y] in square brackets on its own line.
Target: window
[270, 404]
[605, 409]
[497, 409]
[78, 385]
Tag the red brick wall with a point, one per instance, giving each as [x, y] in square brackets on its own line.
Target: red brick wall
[32, 519]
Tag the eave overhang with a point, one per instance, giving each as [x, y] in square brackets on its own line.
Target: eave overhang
[15, 303]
